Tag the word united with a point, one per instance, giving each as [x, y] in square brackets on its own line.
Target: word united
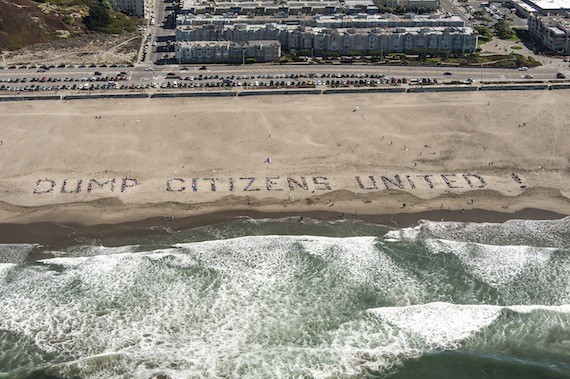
[268, 183]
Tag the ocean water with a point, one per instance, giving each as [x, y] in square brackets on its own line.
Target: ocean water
[290, 299]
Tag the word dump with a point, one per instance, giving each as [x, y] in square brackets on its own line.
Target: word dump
[44, 186]
[247, 184]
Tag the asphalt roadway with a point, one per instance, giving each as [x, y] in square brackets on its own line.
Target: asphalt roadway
[141, 75]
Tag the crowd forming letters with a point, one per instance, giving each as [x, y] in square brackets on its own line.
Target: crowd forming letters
[247, 184]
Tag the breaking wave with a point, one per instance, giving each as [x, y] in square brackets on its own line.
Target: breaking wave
[288, 305]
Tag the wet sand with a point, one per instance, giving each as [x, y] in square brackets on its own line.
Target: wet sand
[59, 235]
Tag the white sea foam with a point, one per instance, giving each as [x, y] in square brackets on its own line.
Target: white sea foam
[440, 325]
[4, 268]
[354, 260]
[63, 261]
[89, 251]
[531, 308]
[444, 326]
[404, 234]
[549, 233]
[15, 253]
[495, 265]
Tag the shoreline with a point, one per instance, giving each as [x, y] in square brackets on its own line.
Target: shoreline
[65, 234]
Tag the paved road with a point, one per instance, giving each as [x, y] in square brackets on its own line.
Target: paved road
[460, 73]
[139, 75]
[162, 31]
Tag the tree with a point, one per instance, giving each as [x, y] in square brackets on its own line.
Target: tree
[98, 18]
[503, 30]
[485, 33]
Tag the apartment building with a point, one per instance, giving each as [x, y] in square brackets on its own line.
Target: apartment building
[139, 8]
[552, 31]
[339, 40]
[227, 51]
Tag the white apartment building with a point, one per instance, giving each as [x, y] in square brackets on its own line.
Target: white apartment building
[227, 51]
[339, 40]
[139, 8]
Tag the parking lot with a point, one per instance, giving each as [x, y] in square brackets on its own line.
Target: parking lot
[179, 80]
[127, 78]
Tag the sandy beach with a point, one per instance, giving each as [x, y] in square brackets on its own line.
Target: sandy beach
[110, 161]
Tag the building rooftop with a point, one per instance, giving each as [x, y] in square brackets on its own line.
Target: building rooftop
[319, 30]
[360, 17]
[222, 43]
[550, 4]
[360, 3]
[524, 5]
[557, 31]
[187, 4]
[555, 20]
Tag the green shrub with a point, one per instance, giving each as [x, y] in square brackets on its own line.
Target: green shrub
[68, 19]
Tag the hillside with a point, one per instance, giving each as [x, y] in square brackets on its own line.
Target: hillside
[24, 22]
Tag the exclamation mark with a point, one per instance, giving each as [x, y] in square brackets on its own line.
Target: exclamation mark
[517, 179]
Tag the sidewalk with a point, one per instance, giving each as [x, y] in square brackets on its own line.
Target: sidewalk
[499, 46]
